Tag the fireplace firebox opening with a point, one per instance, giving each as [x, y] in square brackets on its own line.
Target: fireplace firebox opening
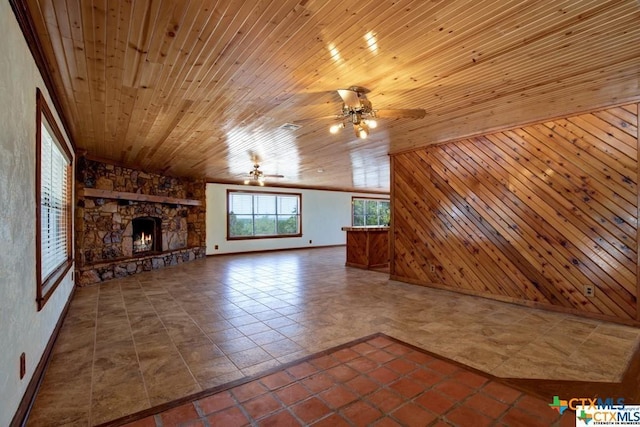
[147, 235]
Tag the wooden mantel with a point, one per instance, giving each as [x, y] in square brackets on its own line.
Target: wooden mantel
[122, 195]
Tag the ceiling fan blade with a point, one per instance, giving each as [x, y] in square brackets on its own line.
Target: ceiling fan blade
[401, 114]
[273, 176]
[350, 98]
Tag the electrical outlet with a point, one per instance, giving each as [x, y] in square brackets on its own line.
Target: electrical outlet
[23, 365]
[215, 247]
[432, 268]
[589, 291]
[310, 241]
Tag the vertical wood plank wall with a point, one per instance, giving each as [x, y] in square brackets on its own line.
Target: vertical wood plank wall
[531, 215]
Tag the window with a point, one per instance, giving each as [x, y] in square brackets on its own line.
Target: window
[370, 212]
[260, 215]
[53, 192]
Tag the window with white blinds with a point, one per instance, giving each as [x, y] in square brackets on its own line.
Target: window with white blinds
[261, 214]
[54, 205]
[54, 222]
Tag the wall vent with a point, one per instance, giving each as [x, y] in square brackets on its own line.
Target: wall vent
[290, 126]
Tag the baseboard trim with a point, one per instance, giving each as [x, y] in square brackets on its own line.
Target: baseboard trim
[276, 250]
[22, 414]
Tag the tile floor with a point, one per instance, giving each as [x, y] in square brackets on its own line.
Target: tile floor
[138, 342]
[378, 381]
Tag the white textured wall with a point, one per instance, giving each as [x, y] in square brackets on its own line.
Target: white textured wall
[22, 327]
[324, 213]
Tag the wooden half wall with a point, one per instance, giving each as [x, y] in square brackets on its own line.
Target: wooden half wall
[532, 215]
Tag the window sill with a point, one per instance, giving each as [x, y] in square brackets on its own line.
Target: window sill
[278, 236]
[47, 287]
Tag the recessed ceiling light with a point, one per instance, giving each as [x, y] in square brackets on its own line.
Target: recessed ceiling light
[320, 170]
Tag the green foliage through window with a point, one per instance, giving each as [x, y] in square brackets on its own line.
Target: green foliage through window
[254, 215]
[371, 212]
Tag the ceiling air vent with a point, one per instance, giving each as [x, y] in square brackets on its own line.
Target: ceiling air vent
[290, 126]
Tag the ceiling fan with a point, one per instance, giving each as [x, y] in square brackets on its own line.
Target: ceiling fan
[256, 176]
[357, 110]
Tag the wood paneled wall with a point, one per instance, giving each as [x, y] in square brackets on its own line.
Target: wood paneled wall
[530, 215]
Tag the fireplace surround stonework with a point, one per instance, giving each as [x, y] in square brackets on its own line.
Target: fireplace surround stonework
[110, 197]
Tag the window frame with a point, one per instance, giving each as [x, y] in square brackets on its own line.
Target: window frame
[377, 199]
[47, 285]
[262, 193]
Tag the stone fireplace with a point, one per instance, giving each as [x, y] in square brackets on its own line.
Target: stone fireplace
[128, 221]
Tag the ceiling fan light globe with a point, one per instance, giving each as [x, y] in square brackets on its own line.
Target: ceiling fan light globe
[334, 129]
[371, 123]
[362, 133]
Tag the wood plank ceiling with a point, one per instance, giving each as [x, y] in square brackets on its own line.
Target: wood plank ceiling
[199, 88]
